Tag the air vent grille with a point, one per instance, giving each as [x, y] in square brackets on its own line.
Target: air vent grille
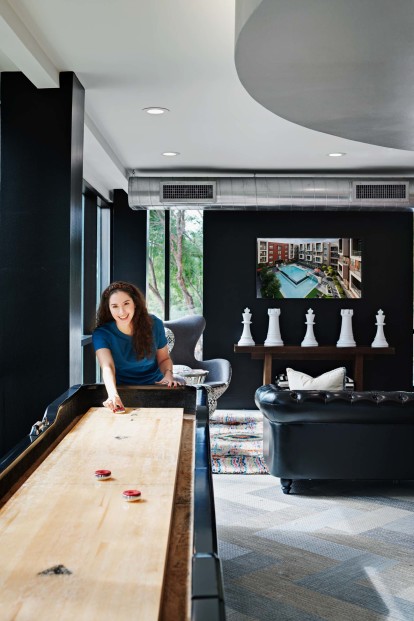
[381, 191]
[261, 193]
[188, 192]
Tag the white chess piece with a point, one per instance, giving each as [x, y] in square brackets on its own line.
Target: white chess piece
[346, 338]
[380, 340]
[273, 334]
[309, 340]
[246, 337]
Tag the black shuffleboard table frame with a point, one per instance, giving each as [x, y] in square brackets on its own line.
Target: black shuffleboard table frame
[207, 593]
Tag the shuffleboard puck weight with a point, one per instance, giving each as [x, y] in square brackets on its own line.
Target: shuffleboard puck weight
[131, 495]
[101, 475]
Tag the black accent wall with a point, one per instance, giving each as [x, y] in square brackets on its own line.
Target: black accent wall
[229, 286]
[129, 242]
[40, 259]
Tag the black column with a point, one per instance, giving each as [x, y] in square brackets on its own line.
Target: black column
[40, 261]
[129, 242]
[90, 247]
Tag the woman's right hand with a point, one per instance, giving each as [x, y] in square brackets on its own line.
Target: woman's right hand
[114, 403]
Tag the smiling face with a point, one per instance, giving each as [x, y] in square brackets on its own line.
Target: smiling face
[122, 310]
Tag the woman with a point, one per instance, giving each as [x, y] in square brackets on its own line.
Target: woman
[130, 344]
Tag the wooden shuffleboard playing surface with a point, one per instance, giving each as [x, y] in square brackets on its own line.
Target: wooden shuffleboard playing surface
[115, 551]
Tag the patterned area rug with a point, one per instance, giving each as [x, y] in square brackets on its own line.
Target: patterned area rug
[329, 551]
[237, 442]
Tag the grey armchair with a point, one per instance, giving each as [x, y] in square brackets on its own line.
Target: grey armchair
[187, 331]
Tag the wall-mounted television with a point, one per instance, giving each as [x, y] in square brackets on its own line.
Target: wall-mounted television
[325, 268]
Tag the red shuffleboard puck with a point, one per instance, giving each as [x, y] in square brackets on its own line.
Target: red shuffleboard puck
[131, 494]
[101, 475]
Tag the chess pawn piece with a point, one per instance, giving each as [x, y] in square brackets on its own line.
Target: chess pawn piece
[273, 333]
[380, 340]
[309, 340]
[246, 337]
[346, 338]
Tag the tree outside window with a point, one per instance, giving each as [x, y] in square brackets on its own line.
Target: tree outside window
[186, 262]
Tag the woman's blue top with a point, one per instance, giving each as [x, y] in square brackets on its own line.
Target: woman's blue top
[129, 370]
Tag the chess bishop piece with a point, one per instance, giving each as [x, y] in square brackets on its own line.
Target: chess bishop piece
[380, 340]
[309, 340]
[246, 337]
[273, 333]
[346, 338]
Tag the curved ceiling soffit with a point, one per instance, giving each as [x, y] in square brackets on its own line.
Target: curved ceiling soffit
[343, 68]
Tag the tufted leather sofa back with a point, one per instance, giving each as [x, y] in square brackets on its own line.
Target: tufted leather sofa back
[317, 406]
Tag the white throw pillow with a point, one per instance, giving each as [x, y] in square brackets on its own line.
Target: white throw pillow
[332, 380]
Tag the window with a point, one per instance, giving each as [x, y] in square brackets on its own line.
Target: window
[175, 240]
[95, 273]
[156, 263]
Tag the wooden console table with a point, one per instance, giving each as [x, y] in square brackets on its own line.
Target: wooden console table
[295, 352]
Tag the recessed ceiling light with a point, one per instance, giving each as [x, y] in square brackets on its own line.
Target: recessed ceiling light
[336, 154]
[170, 153]
[155, 110]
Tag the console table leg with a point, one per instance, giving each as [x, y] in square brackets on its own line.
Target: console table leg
[267, 369]
[286, 485]
[358, 372]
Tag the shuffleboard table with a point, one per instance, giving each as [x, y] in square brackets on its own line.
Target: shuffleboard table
[72, 545]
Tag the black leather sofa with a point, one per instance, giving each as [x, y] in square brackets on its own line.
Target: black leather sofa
[337, 435]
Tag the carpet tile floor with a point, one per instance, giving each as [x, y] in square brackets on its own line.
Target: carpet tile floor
[330, 551]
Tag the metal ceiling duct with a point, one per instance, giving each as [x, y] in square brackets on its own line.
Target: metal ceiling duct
[272, 193]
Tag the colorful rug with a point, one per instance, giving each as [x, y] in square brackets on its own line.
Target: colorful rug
[237, 442]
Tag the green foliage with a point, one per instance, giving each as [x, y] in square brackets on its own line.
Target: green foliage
[270, 284]
[340, 290]
[186, 228]
[186, 262]
[156, 263]
[313, 294]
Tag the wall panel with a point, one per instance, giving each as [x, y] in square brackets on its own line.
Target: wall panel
[229, 286]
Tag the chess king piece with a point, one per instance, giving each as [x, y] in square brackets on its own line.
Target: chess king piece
[346, 338]
[380, 340]
[273, 333]
[246, 337]
[309, 340]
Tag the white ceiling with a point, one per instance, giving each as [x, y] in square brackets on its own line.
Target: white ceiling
[178, 54]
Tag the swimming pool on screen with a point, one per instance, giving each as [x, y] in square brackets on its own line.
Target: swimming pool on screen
[296, 281]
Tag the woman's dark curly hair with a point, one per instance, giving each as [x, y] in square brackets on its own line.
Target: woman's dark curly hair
[142, 338]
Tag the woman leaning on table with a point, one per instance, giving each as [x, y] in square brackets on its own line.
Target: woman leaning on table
[130, 343]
